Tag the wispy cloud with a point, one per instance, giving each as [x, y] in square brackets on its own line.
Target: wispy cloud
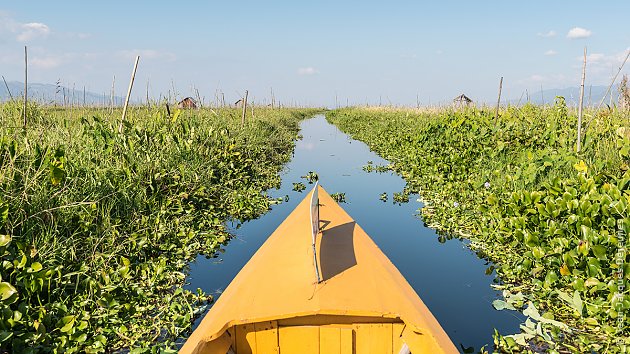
[11, 29]
[307, 71]
[601, 64]
[548, 34]
[33, 30]
[551, 52]
[578, 33]
[47, 62]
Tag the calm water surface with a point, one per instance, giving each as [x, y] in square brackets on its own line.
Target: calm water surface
[449, 278]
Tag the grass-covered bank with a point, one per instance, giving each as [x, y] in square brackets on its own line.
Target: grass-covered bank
[97, 226]
[553, 221]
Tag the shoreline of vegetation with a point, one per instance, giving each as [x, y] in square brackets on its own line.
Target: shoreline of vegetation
[97, 226]
[554, 222]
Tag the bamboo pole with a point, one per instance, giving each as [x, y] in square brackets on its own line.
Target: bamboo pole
[199, 103]
[25, 84]
[133, 76]
[273, 100]
[111, 102]
[496, 115]
[581, 106]
[7, 86]
[607, 92]
[613, 81]
[244, 109]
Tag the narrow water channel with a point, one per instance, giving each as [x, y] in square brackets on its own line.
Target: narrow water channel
[449, 278]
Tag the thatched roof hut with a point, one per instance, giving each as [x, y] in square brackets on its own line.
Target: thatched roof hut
[187, 102]
[462, 100]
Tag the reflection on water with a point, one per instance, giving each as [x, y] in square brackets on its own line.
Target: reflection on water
[449, 278]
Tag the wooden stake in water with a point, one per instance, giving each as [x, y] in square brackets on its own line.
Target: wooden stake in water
[244, 109]
[133, 76]
[580, 107]
[496, 115]
[25, 85]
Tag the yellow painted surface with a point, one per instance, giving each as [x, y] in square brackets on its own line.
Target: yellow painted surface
[373, 338]
[246, 339]
[279, 283]
[299, 340]
[397, 342]
[335, 340]
[266, 337]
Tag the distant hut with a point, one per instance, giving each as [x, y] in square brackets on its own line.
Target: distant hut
[238, 103]
[462, 100]
[187, 102]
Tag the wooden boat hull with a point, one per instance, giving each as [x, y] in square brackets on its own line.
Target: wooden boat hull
[361, 303]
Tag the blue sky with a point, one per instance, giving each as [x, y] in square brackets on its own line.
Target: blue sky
[311, 52]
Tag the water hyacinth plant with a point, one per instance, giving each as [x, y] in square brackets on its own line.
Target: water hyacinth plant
[551, 220]
[98, 225]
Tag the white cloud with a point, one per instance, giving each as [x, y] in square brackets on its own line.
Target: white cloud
[548, 34]
[600, 64]
[307, 71]
[47, 62]
[594, 58]
[551, 52]
[10, 29]
[149, 54]
[33, 30]
[578, 33]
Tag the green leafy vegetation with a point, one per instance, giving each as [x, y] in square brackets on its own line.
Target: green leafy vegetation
[339, 197]
[299, 186]
[97, 226]
[554, 222]
[311, 177]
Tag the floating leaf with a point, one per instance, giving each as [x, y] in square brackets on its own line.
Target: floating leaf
[4, 213]
[564, 270]
[600, 252]
[581, 166]
[35, 267]
[574, 301]
[4, 240]
[6, 290]
[68, 322]
[499, 304]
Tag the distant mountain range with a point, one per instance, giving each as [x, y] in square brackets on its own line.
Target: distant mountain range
[50, 93]
[592, 96]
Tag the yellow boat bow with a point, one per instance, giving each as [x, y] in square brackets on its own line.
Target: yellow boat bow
[341, 296]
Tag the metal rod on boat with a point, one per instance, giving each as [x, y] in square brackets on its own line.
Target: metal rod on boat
[315, 226]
